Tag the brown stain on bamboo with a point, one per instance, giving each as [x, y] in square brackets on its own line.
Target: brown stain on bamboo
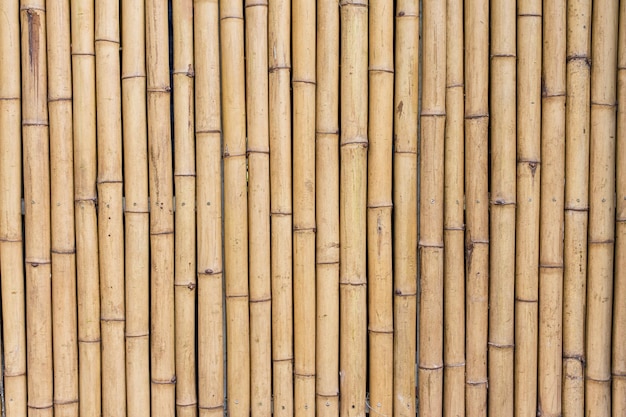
[34, 25]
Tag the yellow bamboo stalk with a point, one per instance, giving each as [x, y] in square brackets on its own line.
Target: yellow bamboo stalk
[601, 208]
[552, 205]
[327, 209]
[11, 241]
[379, 208]
[209, 210]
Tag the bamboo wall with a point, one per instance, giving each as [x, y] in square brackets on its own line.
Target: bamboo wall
[317, 209]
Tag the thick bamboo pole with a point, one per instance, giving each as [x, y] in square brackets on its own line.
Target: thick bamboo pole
[235, 207]
[552, 205]
[379, 208]
[257, 107]
[64, 320]
[209, 210]
[327, 209]
[405, 206]
[502, 214]
[11, 240]
[601, 208]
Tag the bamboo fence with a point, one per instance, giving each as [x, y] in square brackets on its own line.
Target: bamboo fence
[321, 209]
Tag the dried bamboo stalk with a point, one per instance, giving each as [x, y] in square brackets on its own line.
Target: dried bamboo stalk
[379, 208]
[552, 205]
[601, 208]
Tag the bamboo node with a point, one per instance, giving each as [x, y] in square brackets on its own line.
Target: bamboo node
[454, 228]
[165, 89]
[137, 335]
[190, 285]
[382, 205]
[493, 56]
[208, 131]
[302, 81]
[603, 105]
[40, 407]
[107, 181]
[601, 242]
[211, 407]
[551, 266]
[381, 69]
[503, 202]
[14, 375]
[107, 40]
[583, 58]
[321, 395]
[251, 151]
[301, 229]
[529, 15]
[474, 383]
[398, 293]
[189, 72]
[261, 300]
[359, 142]
[209, 271]
[581, 209]
[278, 68]
[353, 284]
[222, 18]
[436, 245]
[402, 13]
[10, 240]
[71, 251]
[433, 114]
[83, 54]
[455, 85]
[27, 123]
[170, 381]
[430, 367]
[89, 341]
[9, 98]
[112, 319]
[377, 331]
[66, 402]
[227, 154]
[598, 380]
[183, 405]
[265, 4]
[618, 375]
[526, 300]
[454, 365]
[29, 9]
[59, 99]
[355, 3]
[476, 116]
[36, 262]
[132, 75]
[280, 213]
[304, 375]
[229, 296]
[501, 345]
[578, 358]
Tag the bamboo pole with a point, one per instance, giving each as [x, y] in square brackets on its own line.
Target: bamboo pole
[552, 205]
[64, 321]
[379, 208]
[601, 208]
[209, 210]
[11, 240]
[327, 209]
[502, 214]
[576, 205]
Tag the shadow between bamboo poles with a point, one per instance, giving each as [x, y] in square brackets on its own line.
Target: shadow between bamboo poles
[502, 214]
[209, 210]
[11, 249]
[576, 204]
[552, 205]
[379, 208]
[601, 208]
[327, 209]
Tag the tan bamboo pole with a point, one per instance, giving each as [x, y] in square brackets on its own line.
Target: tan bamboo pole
[35, 145]
[552, 205]
[185, 213]
[11, 236]
[476, 203]
[576, 205]
[210, 360]
[162, 334]
[64, 320]
[279, 61]
[502, 214]
[327, 209]
[379, 208]
[405, 206]
[454, 223]
[601, 208]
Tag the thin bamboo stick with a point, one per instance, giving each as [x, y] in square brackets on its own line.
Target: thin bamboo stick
[379, 208]
[11, 249]
[552, 205]
[64, 320]
[35, 144]
[502, 214]
[601, 208]
[327, 209]
[209, 210]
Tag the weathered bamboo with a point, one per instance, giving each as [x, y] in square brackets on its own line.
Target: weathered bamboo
[35, 145]
[502, 215]
[209, 210]
[64, 321]
[11, 249]
[162, 333]
[257, 103]
[601, 208]
[379, 208]
[477, 204]
[552, 205]
[327, 209]
[352, 207]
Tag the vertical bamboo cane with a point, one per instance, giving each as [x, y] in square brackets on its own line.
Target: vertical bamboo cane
[64, 324]
[476, 201]
[161, 212]
[405, 206]
[576, 205]
[379, 208]
[11, 250]
[327, 209]
[235, 207]
[136, 217]
[601, 208]
[279, 60]
[502, 215]
[185, 213]
[552, 205]
[209, 210]
[35, 145]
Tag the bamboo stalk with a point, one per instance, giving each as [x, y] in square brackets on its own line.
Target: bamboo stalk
[601, 208]
[327, 209]
[11, 250]
[552, 205]
[379, 208]
[209, 210]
